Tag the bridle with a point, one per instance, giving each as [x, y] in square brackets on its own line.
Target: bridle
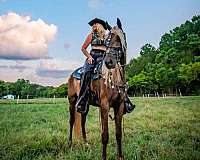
[116, 54]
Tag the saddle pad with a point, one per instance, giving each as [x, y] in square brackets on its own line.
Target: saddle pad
[79, 71]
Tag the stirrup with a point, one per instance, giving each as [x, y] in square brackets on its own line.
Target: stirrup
[81, 108]
[129, 107]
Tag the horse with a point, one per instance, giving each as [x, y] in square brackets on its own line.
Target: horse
[110, 90]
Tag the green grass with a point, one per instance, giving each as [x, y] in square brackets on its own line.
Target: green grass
[158, 129]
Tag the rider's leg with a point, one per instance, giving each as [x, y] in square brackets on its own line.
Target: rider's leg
[85, 82]
[83, 94]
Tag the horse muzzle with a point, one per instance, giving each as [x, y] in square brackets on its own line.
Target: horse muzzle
[110, 61]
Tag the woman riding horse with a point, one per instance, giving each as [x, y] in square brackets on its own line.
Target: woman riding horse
[98, 47]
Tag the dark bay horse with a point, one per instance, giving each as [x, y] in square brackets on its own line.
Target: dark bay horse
[110, 90]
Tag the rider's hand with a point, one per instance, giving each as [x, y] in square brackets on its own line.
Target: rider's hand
[90, 60]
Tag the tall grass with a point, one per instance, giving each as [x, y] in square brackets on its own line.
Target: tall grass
[166, 128]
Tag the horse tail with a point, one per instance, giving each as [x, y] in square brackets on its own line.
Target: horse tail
[77, 125]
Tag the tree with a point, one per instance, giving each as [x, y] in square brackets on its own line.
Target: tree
[140, 83]
[3, 88]
[189, 74]
[62, 90]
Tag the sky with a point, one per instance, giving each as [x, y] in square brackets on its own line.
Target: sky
[40, 40]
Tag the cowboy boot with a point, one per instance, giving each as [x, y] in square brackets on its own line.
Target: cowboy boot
[82, 102]
[128, 105]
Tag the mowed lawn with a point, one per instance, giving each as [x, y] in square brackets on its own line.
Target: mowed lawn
[164, 128]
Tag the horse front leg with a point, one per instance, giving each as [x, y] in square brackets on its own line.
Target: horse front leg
[118, 129]
[83, 121]
[104, 134]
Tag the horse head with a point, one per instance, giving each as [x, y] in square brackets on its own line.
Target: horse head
[116, 46]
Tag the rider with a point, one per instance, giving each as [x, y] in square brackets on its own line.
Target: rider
[97, 41]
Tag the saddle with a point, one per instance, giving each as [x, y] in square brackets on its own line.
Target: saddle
[95, 75]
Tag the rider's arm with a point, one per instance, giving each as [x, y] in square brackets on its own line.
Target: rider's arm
[85, 45]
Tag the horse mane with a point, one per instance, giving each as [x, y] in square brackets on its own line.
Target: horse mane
[117, 31]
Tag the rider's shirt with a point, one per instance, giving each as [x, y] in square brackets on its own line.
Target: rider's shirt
[96, 41]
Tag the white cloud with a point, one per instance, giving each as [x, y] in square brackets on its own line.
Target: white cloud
[56, 68]
[58, 64]
[49, 72]
[95, 4]
[21, 38]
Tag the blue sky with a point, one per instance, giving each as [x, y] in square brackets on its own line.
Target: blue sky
[143, 21]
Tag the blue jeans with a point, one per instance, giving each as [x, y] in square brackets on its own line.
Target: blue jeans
[98, 58]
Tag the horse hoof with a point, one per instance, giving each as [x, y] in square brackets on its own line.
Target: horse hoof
[87, 144]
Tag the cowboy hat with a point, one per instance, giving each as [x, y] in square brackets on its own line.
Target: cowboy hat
[97, 20]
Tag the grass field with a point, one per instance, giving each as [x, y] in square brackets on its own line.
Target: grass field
[159, 129]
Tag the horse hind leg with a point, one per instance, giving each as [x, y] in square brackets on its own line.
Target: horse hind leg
[71, 121]
[74, 120]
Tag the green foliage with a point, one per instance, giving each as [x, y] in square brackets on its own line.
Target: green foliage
[62, 90]
[172, 66]
[24, 89]
[140, 83]
[3, 88]
[148, 54]
[189, 73]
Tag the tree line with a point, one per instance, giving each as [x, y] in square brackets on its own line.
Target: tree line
[24, 88]
[173, 67]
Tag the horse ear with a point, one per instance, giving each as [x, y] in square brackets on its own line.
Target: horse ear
[119, 24]
[108, 26]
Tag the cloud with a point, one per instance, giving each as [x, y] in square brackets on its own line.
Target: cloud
[55, 68]
[4, 67]
[47, 72]
[95, 4]
[53, 73]
[18, 67]
[66, 46]
[23, 39]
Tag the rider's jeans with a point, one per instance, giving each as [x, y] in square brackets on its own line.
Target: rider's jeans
[98, 57]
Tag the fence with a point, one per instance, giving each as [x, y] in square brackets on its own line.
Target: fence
[30, 99]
